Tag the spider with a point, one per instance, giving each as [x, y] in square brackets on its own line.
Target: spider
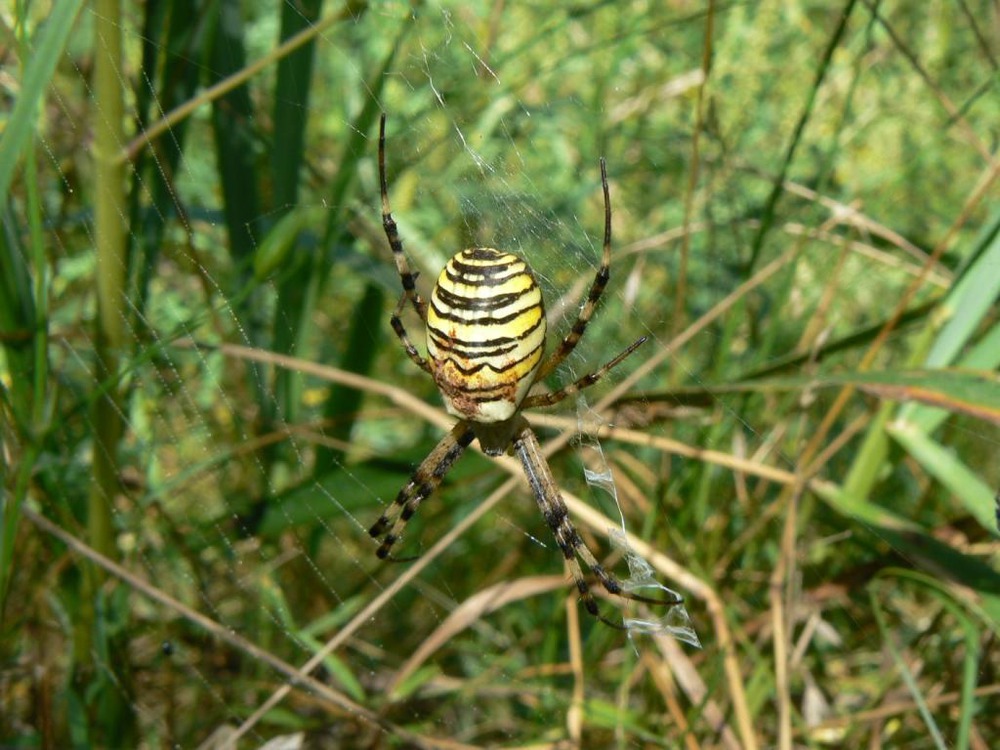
[485, 339]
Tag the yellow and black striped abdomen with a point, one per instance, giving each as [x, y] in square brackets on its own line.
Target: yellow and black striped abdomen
[485, 333]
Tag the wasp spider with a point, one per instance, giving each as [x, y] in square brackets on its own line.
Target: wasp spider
[485, 339]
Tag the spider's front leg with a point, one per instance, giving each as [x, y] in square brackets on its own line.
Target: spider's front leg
[406, 277]
[396, 321]
[600, 281]
[548, 399]
[422, 484]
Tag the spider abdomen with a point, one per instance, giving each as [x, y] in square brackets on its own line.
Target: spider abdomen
[485, 333]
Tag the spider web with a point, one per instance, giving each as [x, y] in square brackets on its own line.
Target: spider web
[240, 498]
[599, 476]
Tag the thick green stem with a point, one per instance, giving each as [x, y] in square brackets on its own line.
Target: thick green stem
[109, 235]
[107, 696]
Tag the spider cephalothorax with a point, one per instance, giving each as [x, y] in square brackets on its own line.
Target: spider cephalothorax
[485, 343]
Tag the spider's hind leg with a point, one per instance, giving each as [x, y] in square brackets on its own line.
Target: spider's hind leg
[556, 515]
[424, 481]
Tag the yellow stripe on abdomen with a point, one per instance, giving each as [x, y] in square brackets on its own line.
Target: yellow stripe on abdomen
[485, 333]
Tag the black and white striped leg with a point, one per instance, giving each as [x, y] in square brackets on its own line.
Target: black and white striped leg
[547, 399]
[422, 484]
[397, 326]
[392, 232]
[556, 515]
[572, 338]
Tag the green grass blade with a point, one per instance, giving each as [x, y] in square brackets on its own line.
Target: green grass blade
[942, 464]
[768, 211]
[363, 343]
[298, 295]
[972, 392]
[41, 64]
[17, 319]
[888, 636]
[291, 103]
[971, 299]
[169, 77]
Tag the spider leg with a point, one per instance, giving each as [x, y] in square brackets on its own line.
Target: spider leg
[424, 481]
[407, 277]
[556, 515]
[548, 399]
[400, 330]
[596, 289]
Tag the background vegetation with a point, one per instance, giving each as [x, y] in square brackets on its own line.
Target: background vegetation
[203, 408]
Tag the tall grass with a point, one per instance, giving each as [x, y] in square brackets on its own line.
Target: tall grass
[203, 409]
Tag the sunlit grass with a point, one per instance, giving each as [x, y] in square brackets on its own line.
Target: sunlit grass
[805, 448]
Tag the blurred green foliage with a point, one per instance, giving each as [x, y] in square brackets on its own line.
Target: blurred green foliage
[243, 483]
